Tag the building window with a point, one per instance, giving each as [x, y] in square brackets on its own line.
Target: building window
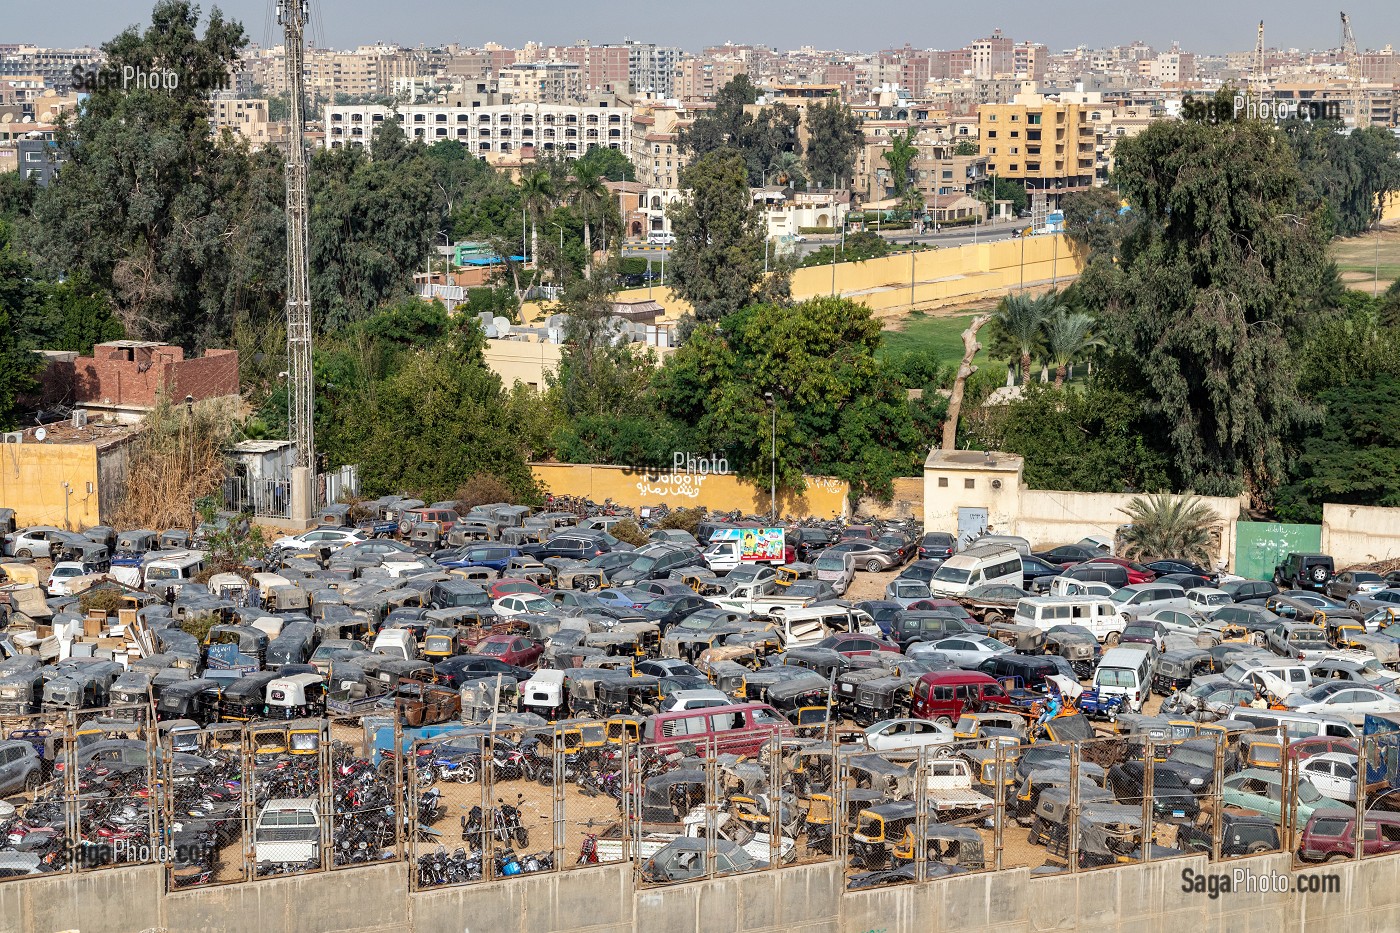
[969, 484]
[942, 482]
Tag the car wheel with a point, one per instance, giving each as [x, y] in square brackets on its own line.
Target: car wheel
[944, 721]
[25, 553]
[1112, 638]
[873, 566]
[1254, 848]
[1337, 857]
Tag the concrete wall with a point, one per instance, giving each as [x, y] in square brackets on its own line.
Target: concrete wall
[522, 360]
[1050, 518]
[906, 500]
[825, 497]
[1125, 899]
[1356, 534]
[32, 477]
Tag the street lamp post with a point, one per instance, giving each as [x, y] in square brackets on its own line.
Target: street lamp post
[561, 254]
[773, 459]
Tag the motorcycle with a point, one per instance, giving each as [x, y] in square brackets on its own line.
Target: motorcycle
[505, 823]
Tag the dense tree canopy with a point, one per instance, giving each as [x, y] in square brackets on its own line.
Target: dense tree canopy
[834, 138]
[717, 261]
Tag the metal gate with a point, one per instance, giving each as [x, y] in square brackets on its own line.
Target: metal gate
[1261, 546]
[971, 523]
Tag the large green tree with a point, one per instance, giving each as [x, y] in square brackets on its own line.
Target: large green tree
[717, 261]
[759, 137]
[1347, 176]
[1218, 278]
[833, 140]
[899, 157]
[839, 412]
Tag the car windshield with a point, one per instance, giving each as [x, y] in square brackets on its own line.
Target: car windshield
[663, 604]
[946, 574]
[1366, 578]
[1192, 757]
[643, 564]
[803, 588]
[493, 648]
[1306, 636]
[830, 563]
[1114, 677]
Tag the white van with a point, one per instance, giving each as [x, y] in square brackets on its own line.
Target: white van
[1125, 672]
[173, 570]
[1299, 725]
[977, 566]
[1099, 616]
[1279, 677]
[1068, 586]
[396, 643]
[800, 626]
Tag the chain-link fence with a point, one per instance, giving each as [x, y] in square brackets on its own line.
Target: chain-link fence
[207, 803]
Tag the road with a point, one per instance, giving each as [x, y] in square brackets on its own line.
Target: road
[956, 236]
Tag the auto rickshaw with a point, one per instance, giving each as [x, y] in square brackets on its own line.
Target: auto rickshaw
[690, 645]
[1027, 804]
[789, 574]
[1139, 728]
[727, 676]
[585, 739]
[615, 644]
[268, 741]
[848, 685]
[245, 699]
[624, 663]
[827, 662]
[174, 539]
[764, 644]
[1259, 750]
[477, 575]
[803, 702]
[22, 692]
[972, 725]
[485, 697]
[704, 584]
[639, 694]
[624, 730]
[1075, 644]
[296, 696]
[425, 537]
[879, 830]
[982, 762]
[304, 736]
[574, 575]
[439, 643]
[132, 689]
[1175, 669]
[887, 697]
[1347, 633]
[469, 532]
[1026, 639]
[668, 797]
[132, 546]
[760, 682]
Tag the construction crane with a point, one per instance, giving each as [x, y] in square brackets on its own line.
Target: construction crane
[1257, 82]
[1353, 65]
[292, 16]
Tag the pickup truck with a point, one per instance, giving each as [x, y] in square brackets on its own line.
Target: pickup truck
[760, 599]
[948, 787]
[611, 847]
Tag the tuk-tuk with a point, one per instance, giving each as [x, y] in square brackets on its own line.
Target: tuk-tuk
[295, 697]
[789, 574]
[585, 689]
[470, 531]
[886, 835]
[424, 704]
[174, 539]
[1259, 750]
[132, 547]
[1027, 639]
[1027, 808]
[245, 699]
[482, 699]
[22, 692]
[133, 687]
[1139, 728]
[182, 736]
[1347, 633]
[615, 644]
[639, 694]
[982, 762]
[566, 657]
[196, 701]
[828, 662]
[668, 797]
[848, 686]
[425, 537]
[517, 536]
[998, 723]
[19, 574]
[704, 584]
[647, 635]
[1175, 669]
[887, 697]
[1075, 644]
[335, 515]
[251, 642]
[624, 730]
[566, 574]
[727, 676]
[292, 646]
[230, 586]
[304, 736]
[268, 740]
[287, 597]
[439, 643]
[586, 739]
[758, 683]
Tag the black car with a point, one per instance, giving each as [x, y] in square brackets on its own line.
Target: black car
[921, 570]
[1171, 798]
[468, 667]
[667, 611]
[573, 545]
[1304, 571]
[910, 627]
[1030, 670]
[1033, 568]
[806, 542]
[654, 562]
[1241, 590]
[1240, 834]
[1069, 554]
[1187, 581]
[881, 611]
[1163, 567]
[937, 544]
[1193, 762]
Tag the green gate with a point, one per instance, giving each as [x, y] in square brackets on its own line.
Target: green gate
[1260, 546]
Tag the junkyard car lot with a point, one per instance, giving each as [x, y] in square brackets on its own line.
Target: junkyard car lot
[486, 721]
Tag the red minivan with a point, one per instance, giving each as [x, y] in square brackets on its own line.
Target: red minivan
[726, 730]
[942, 696]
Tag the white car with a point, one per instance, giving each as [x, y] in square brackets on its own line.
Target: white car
[1341, 698]
[1333, 774]
[32, 542]
[62, 573]
[519, 604]
[317, 538]
[1207, 599]
[907, 591]
[968, 651]
[891, 734]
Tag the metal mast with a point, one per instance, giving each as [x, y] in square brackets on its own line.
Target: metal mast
[1353, 64]
[292, 15]
[1257, 73]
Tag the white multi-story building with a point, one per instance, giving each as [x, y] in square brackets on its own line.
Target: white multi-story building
[501, 128]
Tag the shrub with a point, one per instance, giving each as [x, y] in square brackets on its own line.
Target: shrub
[481, 489]
[109, 601]
[629, 532]
[199, 625]
[684, 519]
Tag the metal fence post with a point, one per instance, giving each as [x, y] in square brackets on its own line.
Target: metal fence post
[1359, 830]
[775, 805]
[999, 814]
[402, 826]
[1073, 816]
[327, 797]
[249, 804]
[1288, 792]
[1149, 768]
[558, 825]
[1218, 797]
[920, 832]
[711, 804]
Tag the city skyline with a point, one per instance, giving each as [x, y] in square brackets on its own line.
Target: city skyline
[1197, 25]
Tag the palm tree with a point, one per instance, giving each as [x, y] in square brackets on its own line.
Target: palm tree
[901, 155]
[1068, 336]
[537, 194]
[589, 194]
[1163, 526]
[786, 168]
[1022, 318]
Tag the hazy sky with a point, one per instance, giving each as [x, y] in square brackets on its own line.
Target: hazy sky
[1200, 25]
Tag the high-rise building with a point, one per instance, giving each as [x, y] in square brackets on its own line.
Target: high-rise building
[992, 56]
[652, 68]
[1047, 145]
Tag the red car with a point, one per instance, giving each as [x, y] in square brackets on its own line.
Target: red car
[952, 607]
[512, 649]
[852, 644]
[510, 585]
[1137, 573]
[1303, 749]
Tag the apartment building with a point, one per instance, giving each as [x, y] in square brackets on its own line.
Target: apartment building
[935, 172]
[542, 82]
[1172, 67]
[53, 66]
[702, 78]
[1044, 144]
[652, 68]
[600, 66]
[369, 71]
[656, 152]
[246, 117]
[995, 55]
[518, 128]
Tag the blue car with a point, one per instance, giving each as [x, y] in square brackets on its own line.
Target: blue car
[494, 556]
[624, 597]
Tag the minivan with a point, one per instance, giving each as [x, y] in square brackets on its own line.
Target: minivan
[1125, 672]
[1330, 834]
[1099, 616]
[1299, 725]
[942, 696]
[977, 566]
[741, 729]
[1281, 677]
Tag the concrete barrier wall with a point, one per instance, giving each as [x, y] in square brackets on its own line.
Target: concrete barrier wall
[1358, 534]
[602, 899]
[825, 497]
[31, 482]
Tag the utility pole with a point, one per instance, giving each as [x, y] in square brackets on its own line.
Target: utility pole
[292, 15]
[773, 460]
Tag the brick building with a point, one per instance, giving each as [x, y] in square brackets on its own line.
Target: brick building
[126, 376]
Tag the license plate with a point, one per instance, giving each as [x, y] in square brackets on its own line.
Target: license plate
[1179, 813]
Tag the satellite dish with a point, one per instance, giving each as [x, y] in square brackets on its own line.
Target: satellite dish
[490, 331]
[40, 433]
[502, 326]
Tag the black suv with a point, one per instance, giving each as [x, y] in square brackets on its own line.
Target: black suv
[1241, 834]
[573, 545]
[1304, 572]
[931, 625]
